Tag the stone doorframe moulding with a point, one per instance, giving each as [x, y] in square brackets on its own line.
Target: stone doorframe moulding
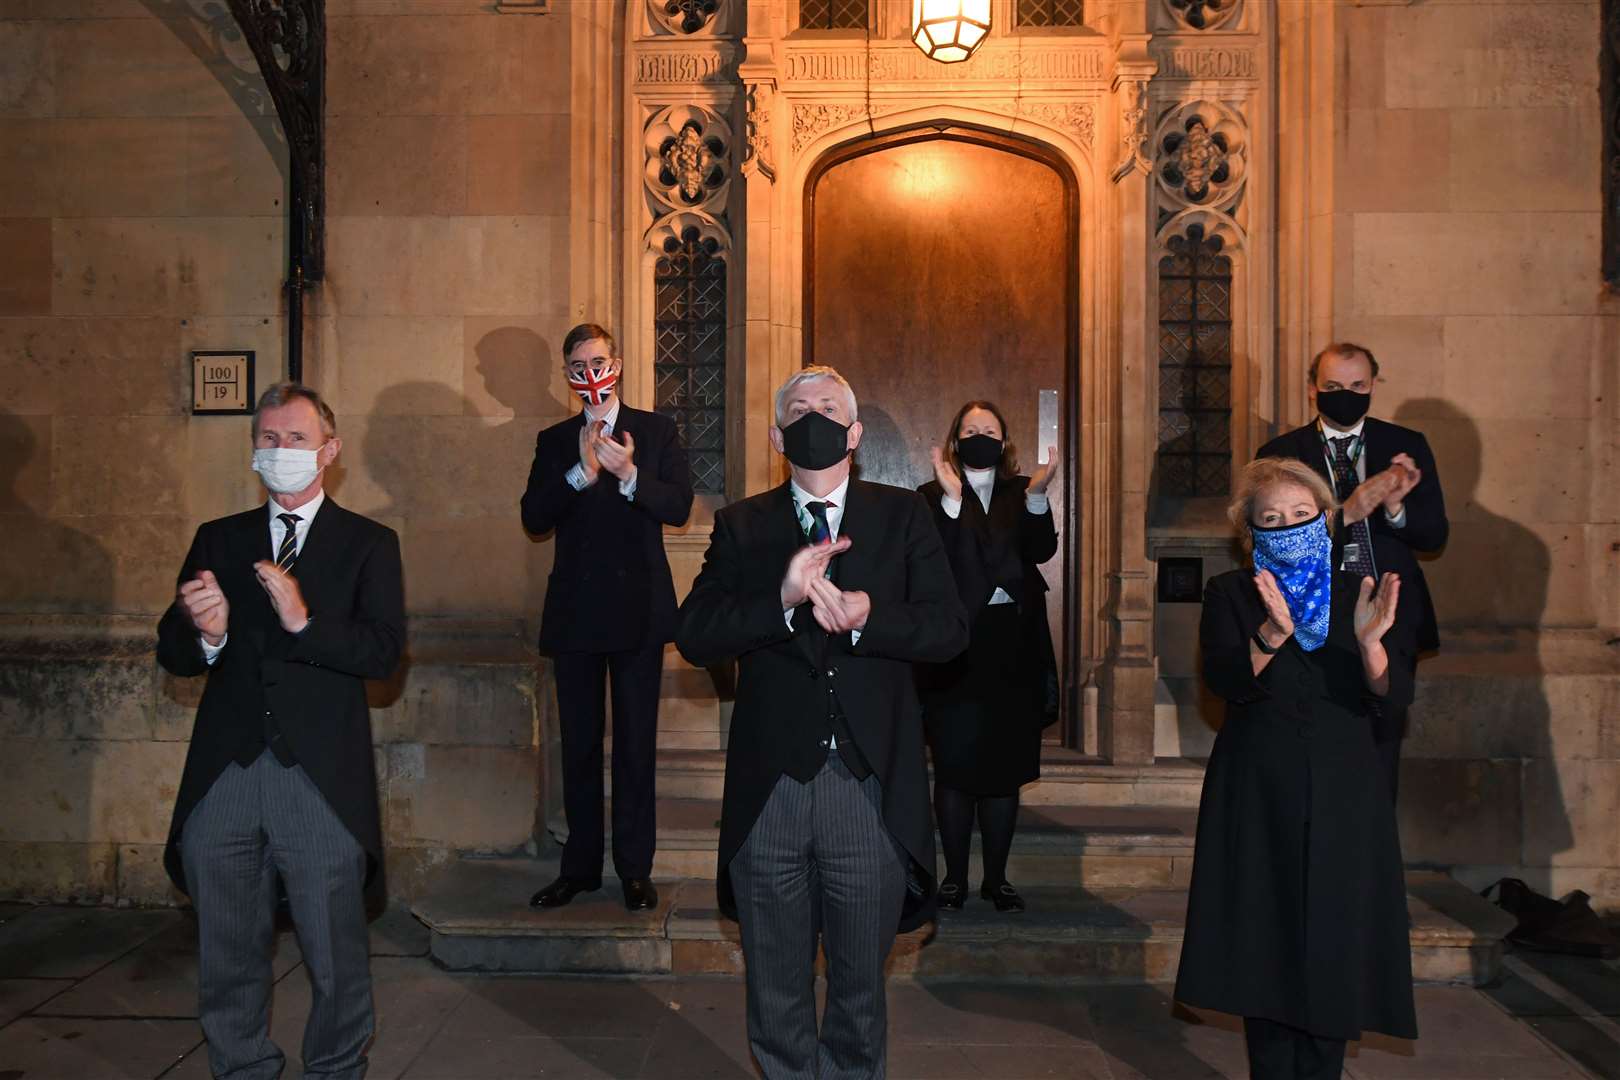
[792, 96]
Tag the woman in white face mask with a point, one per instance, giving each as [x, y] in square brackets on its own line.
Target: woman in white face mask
[1296, 919]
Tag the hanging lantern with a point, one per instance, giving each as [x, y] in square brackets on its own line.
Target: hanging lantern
[949, 30]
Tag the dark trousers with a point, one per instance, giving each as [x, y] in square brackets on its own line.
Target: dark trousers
[819, 854]
[254, 824]
[1280, 1052]
[582, 679]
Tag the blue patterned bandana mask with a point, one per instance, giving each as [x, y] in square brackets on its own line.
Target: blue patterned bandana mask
[1300, 557]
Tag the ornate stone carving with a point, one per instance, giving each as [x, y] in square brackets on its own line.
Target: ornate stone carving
[1196, 63]
[1132, 130]
[671, 230]
[1202, 14]
[904, 63]
[757, 154]
[1202, 153]
[1075, 118]
[682, 16]
[1212, 222]
[811, 120]
[684, 67]
[688, 157]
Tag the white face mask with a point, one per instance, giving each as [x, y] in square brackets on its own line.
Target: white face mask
[286, 471]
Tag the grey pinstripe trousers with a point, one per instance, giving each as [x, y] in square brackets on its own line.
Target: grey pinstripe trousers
[819, 855]
[253, 824]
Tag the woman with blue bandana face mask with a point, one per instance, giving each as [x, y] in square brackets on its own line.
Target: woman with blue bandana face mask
[1296, 919]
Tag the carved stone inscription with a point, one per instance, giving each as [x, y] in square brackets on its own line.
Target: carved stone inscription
[909, 64]
[683, 67]
[1194, 63]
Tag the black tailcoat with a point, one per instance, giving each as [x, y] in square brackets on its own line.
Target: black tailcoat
[314, 682]
[1297, 911]
[1394, 549]
[610, 589]
[735, 612]
[985, 709]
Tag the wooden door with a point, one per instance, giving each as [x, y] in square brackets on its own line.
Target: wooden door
[941, 267]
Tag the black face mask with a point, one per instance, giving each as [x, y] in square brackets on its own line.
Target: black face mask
[815, 441]
[979, 451]
[1343, 407]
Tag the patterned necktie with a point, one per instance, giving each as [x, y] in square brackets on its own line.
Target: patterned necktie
[287, 554]
[1358, 557]
[818, 531]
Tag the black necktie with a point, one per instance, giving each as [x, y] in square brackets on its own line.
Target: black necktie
[287, 554]
[1358, 556]
[820, 531]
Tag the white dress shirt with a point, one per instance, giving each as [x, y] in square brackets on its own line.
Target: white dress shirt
[982, 482]
[278, 529]
[576, 475]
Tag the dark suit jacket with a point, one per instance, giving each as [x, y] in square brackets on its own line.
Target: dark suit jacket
[610, 589]
[349, 574]
[1002, 547]
[735, 611]
[1394, 549]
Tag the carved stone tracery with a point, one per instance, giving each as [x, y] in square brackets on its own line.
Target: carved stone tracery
[757, 154]
[688, 157]
[1201, 154]
[1202, 14]
[809, 121]
[682, 16]
[1075, 118]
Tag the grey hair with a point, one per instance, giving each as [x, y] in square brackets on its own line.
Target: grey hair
[284, 393]
[810, 374]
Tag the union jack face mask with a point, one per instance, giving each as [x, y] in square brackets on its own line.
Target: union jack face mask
[594, 386]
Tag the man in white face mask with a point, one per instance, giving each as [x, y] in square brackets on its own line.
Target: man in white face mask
[287, 609]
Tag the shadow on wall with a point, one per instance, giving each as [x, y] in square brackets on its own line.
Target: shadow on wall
[55, 705]
[207, 28]
[1479, 784]
[884, 456]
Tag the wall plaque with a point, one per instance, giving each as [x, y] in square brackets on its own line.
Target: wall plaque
[222, 383]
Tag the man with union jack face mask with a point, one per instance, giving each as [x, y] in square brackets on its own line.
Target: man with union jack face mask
[605, 482]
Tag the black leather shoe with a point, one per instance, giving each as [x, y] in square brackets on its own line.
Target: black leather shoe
[562, 890]
[1005, 896]
[639, 894]
[950, 896]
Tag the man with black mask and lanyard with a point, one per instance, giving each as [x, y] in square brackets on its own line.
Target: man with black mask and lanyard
[825, 590]
[1392, 509]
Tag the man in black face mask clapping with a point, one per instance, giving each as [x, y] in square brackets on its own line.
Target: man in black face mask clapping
[1385, 477]
[825, 590]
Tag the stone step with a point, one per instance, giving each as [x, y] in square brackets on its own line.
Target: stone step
[1067, 778]
[1124, 847]
[480, 921]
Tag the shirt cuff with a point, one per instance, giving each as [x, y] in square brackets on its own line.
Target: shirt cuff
[788, 615]
[952, 507]
[576, 478]
[1396, 521]
[854, 637]
[211, 652]
[1036, 502]
[627, 488]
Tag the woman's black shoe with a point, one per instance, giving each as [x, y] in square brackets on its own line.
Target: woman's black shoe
[950, 896]
[1005, 896]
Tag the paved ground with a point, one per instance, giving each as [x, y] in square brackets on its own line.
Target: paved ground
[90, 993]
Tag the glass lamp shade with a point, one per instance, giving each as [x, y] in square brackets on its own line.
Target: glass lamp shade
[949, 30]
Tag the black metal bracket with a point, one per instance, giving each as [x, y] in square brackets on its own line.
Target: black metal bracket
[288, 39]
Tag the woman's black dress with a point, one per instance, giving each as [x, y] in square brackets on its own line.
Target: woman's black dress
[1298, 905]
[984, 711]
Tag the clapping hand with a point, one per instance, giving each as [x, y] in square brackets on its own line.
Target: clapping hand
[837, 611]
[808, 565]
[617, 458]
[1279, 624]
[285, 596]
[950, 481]
[1044, 474]
[1407, 476]
[204, 604]
[589, 435]
[1376, 614]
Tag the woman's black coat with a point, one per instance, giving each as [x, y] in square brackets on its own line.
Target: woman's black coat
[985, 710]
[1298, 905]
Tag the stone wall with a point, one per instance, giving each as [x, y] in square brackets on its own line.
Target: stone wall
[141, 213]
[1465, 227]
